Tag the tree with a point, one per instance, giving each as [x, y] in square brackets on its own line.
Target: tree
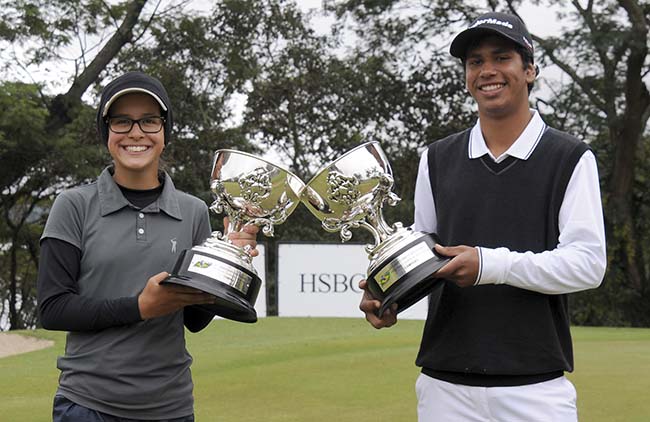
[21, 119]
[35, 166]
[606, 58]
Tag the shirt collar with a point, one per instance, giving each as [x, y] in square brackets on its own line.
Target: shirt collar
[522, 148]
[112, 200]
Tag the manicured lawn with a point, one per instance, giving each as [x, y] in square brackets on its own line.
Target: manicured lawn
[612, 373]
[324, 369]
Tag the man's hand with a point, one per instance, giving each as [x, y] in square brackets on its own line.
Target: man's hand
[463, 267]
[246, 237]
[156, 300]
[369, 305]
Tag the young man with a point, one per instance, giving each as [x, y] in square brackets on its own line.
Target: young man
[519, 205]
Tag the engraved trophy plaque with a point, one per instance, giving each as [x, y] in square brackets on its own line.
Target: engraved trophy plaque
[250, 190]
[350, 193]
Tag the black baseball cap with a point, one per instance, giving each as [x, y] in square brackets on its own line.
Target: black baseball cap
[130, 83]
[493, 23]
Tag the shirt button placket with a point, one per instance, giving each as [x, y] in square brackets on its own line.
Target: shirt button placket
[140, 227]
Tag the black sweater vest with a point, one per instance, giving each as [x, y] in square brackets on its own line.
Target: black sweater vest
[493, 335]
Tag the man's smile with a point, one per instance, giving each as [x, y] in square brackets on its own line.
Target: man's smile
[491, 87]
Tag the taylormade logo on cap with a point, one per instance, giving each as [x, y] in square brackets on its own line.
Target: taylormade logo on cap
[491, 21]
[502, 24]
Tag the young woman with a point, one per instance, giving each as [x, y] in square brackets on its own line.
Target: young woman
[104, 251]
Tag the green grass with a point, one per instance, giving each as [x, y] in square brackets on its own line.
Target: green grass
[292, 369]
[612, 373]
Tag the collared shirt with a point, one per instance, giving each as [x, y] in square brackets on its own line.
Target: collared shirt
[578, 262]
[137, 370]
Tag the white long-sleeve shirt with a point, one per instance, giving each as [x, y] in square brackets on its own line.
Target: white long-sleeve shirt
[579, 260]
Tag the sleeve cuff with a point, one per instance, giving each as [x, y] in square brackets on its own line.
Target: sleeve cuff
[493, 265]
[132, 314]
[480, 266]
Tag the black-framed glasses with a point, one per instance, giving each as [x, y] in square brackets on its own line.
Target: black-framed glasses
[151, 124]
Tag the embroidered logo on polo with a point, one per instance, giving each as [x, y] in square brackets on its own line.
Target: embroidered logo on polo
[173, 244]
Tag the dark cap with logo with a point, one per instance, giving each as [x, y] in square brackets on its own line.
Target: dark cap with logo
[493, 23]
[132, 83]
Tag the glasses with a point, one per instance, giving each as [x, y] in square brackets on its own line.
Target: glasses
[152, 124]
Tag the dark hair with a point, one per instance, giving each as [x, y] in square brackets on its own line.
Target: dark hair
[527, 59]
[525, 54]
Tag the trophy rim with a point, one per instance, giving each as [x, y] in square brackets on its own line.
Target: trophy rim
[339, 158]
[257, 157]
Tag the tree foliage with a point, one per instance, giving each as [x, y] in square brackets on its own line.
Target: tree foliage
[606, 57]
[35, 166]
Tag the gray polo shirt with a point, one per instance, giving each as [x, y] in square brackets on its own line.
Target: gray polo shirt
[142, 370]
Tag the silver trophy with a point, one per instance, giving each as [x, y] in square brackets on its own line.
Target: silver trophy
[350, 193]
[250, 190]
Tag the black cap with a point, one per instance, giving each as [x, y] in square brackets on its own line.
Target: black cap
[129, 83]
[503, 24]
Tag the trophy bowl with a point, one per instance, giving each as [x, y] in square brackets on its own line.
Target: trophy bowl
[250, 190]
[350, 193]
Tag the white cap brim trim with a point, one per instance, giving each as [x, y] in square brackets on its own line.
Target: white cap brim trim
[131, 91]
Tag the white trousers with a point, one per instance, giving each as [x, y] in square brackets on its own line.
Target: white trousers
[548, 401]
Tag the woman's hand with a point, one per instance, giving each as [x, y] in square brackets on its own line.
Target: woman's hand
[245, 237]
[157, 300]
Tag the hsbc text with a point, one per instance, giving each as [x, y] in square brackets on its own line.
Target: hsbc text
[330, 283]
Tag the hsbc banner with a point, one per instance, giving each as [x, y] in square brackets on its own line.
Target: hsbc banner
[322, 280]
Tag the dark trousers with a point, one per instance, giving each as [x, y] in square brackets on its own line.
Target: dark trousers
[67, 411]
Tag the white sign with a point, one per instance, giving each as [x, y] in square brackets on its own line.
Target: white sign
[322, 280]
[259, 263]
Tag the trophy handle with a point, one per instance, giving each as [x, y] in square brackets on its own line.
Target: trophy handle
[334, 225]
[375, 215]
[265, 224]
[376, 224]
[365, 211]
[235, 217]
